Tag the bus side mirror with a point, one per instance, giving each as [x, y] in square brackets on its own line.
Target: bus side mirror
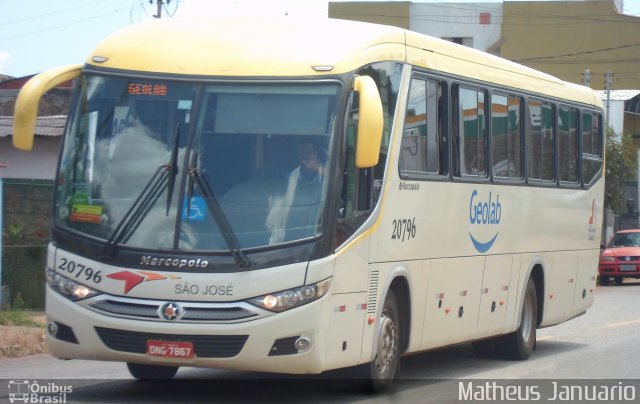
[370, 123]
[26, 110]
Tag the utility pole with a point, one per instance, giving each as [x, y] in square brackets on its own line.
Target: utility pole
[608, 78]
[586, 78]
[159, 4]
[2, 298]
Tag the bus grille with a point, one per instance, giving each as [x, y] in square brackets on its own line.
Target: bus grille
[204, 346]
[373, 292]
[193, 312]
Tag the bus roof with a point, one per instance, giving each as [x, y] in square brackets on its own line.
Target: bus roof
[259, 47]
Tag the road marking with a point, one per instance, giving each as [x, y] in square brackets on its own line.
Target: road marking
[621, 324]
[614, 325]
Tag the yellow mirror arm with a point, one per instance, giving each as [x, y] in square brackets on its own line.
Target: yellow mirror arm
[26, 110]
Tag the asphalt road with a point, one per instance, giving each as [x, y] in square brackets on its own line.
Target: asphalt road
[603, 344]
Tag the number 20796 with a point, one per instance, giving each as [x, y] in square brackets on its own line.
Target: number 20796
[403, 229]
[79, 271]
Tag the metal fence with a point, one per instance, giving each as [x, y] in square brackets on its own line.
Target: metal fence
[26, 220]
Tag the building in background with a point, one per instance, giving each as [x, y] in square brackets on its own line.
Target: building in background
[562, 38]
[565, 38]
[476, 25]
[26, 193]
[624, 111]
[39, 164]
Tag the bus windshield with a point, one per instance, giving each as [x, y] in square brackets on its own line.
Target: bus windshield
[194, 166]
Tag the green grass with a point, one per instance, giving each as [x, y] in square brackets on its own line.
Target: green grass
[17, 317]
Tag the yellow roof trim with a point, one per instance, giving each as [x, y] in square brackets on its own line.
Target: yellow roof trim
[447, 57]
[280, 47]
[248, 46]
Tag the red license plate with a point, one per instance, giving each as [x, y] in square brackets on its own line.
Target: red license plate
[170, 349]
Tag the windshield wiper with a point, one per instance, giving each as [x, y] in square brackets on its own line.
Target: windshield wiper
[218, 214]
[173, 166]
[138, 210]
[163, 178]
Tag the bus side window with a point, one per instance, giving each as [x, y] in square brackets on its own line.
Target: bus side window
[540, 140]
[506, 136]
[470, 124]
[423, 148]
[592, 143]
[568, 145]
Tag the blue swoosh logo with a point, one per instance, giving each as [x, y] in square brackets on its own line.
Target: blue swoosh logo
[483, 247]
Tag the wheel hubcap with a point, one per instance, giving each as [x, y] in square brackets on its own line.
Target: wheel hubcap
[387, 345]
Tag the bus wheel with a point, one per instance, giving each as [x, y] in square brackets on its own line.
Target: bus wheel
[384, 368]
[604, 281]
[152, 372]
[519, 344]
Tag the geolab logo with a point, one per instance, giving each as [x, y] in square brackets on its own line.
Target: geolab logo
[484, 214]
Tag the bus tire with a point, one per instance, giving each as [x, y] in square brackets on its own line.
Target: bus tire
[519, 344]
[604, 281]
[152, 372]
[386, 364]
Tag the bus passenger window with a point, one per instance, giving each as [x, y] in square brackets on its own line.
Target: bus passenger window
[506, 133]
[541, 141]
[568, 144]
[472, 132]
[422, 150]
[591, 146]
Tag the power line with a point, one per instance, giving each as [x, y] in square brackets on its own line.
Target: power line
[58, 26]
[529, 14]
[580, 53]
[33, 17]
[560, 19]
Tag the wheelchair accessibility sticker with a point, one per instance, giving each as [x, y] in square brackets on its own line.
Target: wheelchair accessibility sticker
[196, 211]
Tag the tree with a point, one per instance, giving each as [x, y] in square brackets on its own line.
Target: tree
[621, 163]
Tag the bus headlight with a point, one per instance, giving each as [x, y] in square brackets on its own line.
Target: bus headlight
[290, 298]
[68, 287]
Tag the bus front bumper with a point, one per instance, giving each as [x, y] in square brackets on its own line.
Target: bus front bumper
[266, 344]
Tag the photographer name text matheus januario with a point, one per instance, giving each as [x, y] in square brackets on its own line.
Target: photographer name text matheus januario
[551, 391]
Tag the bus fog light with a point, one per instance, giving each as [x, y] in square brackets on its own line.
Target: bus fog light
[303, 344]
[52, 328]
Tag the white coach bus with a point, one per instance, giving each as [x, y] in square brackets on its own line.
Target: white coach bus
[298, 196]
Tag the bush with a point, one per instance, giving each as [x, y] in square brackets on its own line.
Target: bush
[17, 318]
[23, 271]
[621, 166]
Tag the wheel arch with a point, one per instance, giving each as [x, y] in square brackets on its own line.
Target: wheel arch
[402, 291]
[537, 274]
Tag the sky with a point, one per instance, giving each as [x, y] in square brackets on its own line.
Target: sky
[36, 35]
